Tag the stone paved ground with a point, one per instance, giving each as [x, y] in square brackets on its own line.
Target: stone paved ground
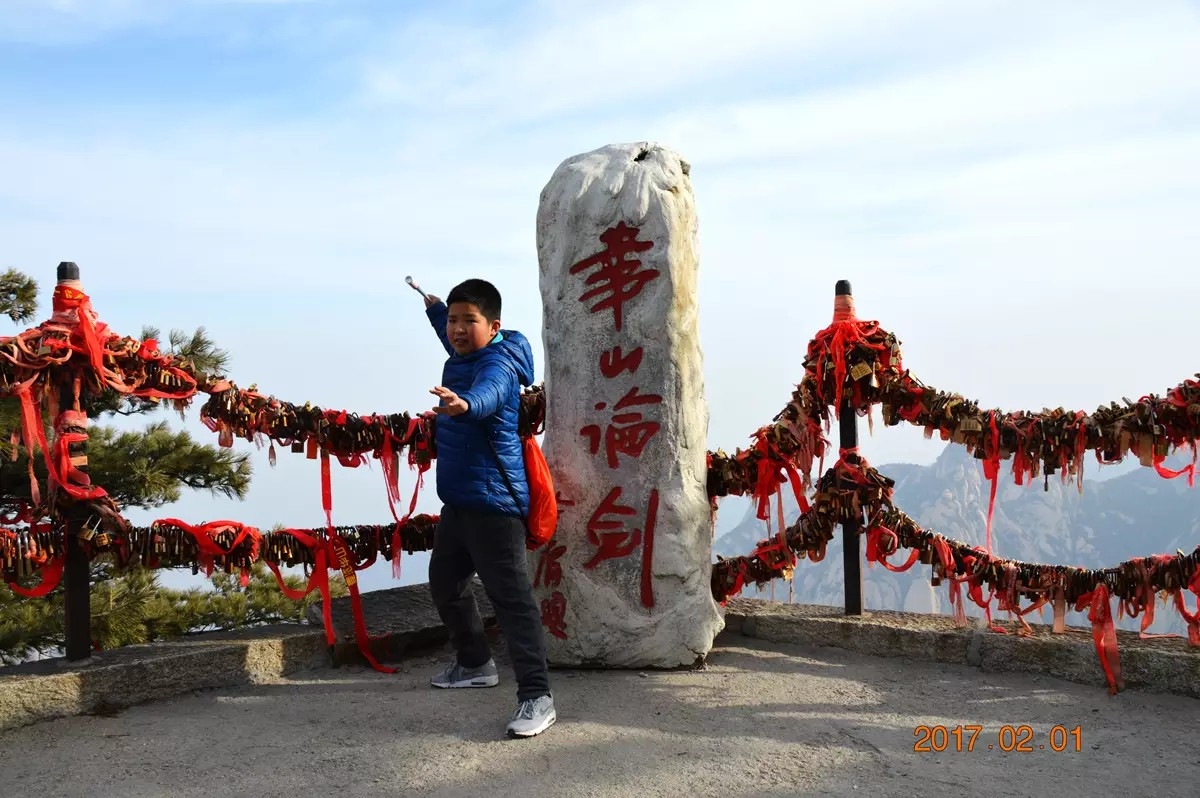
[763, 719]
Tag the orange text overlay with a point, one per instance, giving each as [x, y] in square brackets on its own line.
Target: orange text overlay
[1019, 739]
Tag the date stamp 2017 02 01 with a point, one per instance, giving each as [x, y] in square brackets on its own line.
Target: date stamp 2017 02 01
[1020, 739]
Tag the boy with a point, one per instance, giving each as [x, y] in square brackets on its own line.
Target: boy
[481, 482]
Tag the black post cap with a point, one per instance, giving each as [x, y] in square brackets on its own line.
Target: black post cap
[842, 288]
[67, 270]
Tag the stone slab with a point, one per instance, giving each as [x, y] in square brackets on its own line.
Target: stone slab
[114, 680]
[1157, 665]
[403, 619]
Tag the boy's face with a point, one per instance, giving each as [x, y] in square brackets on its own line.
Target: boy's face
[468, 329]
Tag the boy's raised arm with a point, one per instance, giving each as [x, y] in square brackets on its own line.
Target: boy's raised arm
[437, 313]
[494, 382]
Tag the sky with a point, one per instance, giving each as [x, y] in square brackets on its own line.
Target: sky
[1011, 188]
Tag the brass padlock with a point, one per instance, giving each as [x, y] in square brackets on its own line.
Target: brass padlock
[969, 424]
[861, 370]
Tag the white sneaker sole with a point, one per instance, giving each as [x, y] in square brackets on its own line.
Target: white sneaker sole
[482, 681]
[536, 730]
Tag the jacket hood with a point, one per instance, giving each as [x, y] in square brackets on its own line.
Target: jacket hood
[516, 346]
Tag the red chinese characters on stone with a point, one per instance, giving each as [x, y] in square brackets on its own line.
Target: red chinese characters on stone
[614, 538]
[628, 433]
[610, 535]
[549, 574]
[634, 397]
[617, 277]
[554, 615]
[613, 362]
[621, 276]
[549, 569]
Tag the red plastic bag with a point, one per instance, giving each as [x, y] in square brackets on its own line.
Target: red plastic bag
[543, 504]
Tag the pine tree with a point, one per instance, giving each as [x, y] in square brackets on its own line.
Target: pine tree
[145, 469]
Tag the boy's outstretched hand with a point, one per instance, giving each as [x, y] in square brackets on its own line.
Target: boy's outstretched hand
[431, 300]
[454, 406]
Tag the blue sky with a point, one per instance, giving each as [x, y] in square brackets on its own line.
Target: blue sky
[1012, 187]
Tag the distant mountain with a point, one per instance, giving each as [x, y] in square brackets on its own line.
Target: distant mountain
[1135, 513]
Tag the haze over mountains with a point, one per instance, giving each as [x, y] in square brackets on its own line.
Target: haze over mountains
[1125, 511]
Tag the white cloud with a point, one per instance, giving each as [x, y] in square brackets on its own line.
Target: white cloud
[561, 57]
[1101, 80]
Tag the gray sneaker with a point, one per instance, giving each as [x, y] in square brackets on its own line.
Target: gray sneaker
[455, 675]
[532, 717]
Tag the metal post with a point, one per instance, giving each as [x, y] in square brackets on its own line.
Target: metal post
[851, 543]
[77, 570]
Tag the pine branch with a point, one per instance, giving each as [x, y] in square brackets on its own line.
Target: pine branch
[18, 296]
[134, 608]
[197, 350]
[145, 469]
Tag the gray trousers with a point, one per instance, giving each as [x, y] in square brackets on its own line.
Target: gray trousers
[492, 545]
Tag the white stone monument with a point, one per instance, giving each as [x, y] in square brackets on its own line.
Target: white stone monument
[625, 582]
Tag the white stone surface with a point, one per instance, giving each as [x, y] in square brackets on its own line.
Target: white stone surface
[642, 186]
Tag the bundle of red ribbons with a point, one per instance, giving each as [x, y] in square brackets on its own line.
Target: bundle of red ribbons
[30, 545]
[854, 490]
[853, 365]
[74, 349]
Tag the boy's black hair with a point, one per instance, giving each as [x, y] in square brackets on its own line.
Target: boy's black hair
[479, 293]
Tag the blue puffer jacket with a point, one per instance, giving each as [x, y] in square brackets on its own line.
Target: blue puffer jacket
[490, 381]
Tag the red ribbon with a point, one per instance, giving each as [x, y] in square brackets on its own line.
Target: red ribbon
[391, 476]
[835, 341]
[35, 437]
[317, 580]
[1167, 473]
[75, 482]
[1192, 618]
[878, 551]
[68, 299]
[51, 572]
[771, 468]
[991, 472]
[342, 556]
[1104, 633]
[207, 548]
